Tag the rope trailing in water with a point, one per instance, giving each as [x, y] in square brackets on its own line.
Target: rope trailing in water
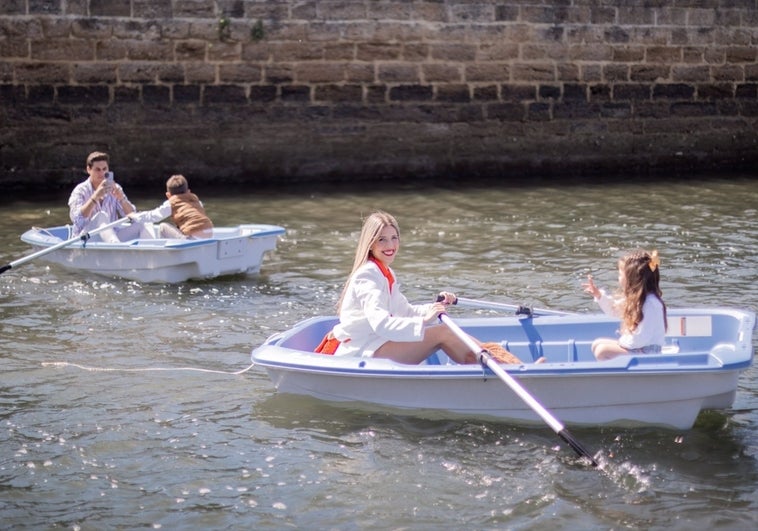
[144, 369]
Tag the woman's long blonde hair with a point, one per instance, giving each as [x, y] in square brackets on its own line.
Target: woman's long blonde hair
[372, 227]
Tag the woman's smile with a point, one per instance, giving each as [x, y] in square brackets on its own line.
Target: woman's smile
[386, 246]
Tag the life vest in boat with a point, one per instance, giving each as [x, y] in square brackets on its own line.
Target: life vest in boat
[328, 345]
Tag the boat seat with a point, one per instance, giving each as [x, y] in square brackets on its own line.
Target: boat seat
[528, 352]
[553, 351]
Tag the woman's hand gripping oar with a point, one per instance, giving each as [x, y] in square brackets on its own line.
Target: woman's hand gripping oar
[82, 237]
[486, 359]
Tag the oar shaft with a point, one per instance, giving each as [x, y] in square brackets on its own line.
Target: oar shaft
[516, 387]
[46, 250]
[43, 252]
[503, 375]
[486, 305]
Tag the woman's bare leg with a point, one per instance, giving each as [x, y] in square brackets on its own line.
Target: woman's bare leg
[435, 338]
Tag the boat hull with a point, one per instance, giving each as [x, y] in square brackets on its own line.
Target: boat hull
[696, 373]
[230, 251]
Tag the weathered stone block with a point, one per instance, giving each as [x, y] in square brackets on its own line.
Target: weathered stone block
[94, 73]
[62, 50]
[295, 93]
[138, 72]
[110, 8]
[534, 72]
[239, 73]
[715, 91]
[126, 95]
[319, 72]
[518, 92]
[39, 95]
[549, 92]
[194, 8]
[149, 51]
[36, 73]
[453, 93]
[678, 91]
[488, 72]
[398, 73]
[186, 94]
[694, 109]
[505, 111]
[152, 8]
[76, 95]
[453, 52]
[411, 93]
[486, 93]
[262, 94]
[746, 90]
[631, 91]
[156, 95]
[224, 95]
[690, 73]
[13, 7]
[445, 73]
[338, 93]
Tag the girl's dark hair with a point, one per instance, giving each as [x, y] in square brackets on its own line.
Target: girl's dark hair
[642, 278]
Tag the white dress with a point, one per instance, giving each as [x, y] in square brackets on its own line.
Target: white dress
[652, 329]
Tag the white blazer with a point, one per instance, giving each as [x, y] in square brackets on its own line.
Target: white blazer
[370, 315]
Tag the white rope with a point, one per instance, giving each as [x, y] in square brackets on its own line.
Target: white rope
[144, 369]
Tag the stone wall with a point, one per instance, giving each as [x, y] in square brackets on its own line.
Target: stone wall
[314, 90]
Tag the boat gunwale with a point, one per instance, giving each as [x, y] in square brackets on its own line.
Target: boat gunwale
[149, 244]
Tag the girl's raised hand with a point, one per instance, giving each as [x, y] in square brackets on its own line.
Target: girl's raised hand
[591, 288]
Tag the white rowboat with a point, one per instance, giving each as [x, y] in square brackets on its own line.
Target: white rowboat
[230, 251]
[706, 351]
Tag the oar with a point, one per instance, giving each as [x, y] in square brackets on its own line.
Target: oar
[82, 237]
[518, 310]
[486, 359]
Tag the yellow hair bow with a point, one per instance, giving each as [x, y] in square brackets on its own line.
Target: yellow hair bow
[655, 261]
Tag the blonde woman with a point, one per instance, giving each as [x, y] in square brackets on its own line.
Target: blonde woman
[376, 320]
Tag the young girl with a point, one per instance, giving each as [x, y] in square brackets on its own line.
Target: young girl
[639, 304]
[376, 320]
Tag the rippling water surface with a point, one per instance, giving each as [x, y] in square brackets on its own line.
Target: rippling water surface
[119, 407]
